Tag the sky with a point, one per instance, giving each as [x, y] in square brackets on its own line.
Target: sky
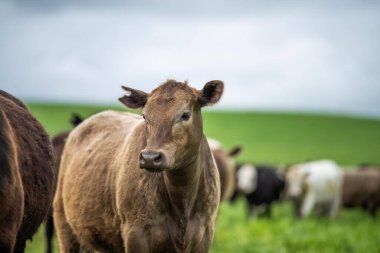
[319, 56]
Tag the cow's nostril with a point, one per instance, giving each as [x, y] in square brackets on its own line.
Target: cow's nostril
[142, 160]
[157, 158]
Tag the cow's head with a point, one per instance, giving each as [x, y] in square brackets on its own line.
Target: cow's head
[246, 178]
[295, 182]
[173, 120]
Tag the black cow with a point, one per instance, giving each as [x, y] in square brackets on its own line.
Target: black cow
[260, 185]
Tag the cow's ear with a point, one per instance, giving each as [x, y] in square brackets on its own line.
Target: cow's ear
[211, 93]
[133, 98]
[235, 151]
[76, 119]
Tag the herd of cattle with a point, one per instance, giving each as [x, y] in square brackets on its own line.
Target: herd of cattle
[319, 186]
[151, 183]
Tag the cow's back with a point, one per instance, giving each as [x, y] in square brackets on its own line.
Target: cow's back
[88, 169]
[270, 182]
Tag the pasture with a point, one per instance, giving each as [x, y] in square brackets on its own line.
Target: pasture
[276, 138]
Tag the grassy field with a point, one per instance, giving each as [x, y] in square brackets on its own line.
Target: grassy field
[276, 139]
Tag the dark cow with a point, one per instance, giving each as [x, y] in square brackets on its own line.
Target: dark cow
[130, 183]
[58, 142]
[27, 174]
[361, 188]
[260, 185]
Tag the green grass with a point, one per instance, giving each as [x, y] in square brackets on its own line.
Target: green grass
[278, 139]
[352, 231]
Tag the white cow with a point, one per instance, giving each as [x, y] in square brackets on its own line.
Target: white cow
[315, 185]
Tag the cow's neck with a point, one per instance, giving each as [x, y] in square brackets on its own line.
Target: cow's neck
[183, 184]
[185, 189]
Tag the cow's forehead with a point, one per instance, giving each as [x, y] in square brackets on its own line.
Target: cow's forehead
[167, 108]
[247, 170]
[295, 172]
[171, 96]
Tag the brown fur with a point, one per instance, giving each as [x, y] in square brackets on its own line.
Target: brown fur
[361, 188]
[105, 202]
[27, 178]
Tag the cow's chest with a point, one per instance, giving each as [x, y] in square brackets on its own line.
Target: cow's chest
[180, 235]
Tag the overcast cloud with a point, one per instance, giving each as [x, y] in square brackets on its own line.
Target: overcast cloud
[271, 55]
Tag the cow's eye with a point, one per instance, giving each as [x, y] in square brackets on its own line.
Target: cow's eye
[185, 116]
[143, 116]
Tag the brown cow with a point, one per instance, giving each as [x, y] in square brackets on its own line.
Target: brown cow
[225, 161]
[361, 188]
[27, 174]
[105, 202]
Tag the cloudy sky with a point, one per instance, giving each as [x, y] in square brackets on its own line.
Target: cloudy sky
[272, 55]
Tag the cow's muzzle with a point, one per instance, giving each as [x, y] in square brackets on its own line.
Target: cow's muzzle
[152, 161]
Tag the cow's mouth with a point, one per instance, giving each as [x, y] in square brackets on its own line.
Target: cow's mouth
[154, 169]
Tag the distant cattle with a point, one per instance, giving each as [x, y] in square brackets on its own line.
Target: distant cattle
[130, 183]
[27, 174]
[315, 185]
[361, 188]
[225, 161]
[58, 143]
[260, 185]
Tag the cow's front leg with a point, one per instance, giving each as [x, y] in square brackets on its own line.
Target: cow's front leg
[135, 241]
[307, 205]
